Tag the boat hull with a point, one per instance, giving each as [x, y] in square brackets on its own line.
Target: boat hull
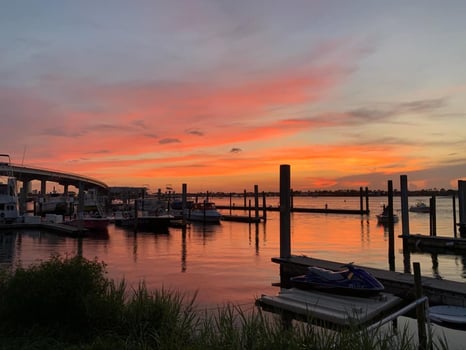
[91, 224]
[207, 218]
[146, 223]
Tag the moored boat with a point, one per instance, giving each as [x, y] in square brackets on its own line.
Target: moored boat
[205, 212]
[55, 203]
[351, 280]
[448, 315]
[144, 221]
[90, 222]
[384, 216]
[91, 215]
[419, 207]
[9, 204]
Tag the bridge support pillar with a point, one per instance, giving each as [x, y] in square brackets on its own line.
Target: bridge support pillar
[23, 197]
[43, 187]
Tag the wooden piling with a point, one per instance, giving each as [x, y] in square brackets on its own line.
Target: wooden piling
[432, 217]
[404, 205]
[285, 208]
[264, 207]
[256, 201]
[391, 228]
[367, 200]
[361, 201]
[405, 223]
[455, 231]
[420, 309]
[462, 206]
[184, 191]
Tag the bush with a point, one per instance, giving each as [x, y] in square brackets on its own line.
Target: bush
[62, 297]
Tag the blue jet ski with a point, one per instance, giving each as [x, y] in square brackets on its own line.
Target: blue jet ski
[351, 280]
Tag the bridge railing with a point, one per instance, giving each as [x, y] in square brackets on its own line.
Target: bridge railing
[56, 173]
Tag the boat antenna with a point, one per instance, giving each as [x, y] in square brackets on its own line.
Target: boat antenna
[24, 154]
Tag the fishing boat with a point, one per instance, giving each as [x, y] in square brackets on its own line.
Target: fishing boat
[419, 207]
[205, 212]
[351, 280]
[384, 216]
[9, 204]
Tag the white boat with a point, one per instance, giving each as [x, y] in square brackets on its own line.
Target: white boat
[9, 204]
[448, 315]
[55, 203]
[144, 221]
[419, 207]
[205, 212]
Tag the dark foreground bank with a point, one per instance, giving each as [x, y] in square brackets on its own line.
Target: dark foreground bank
[68, 303]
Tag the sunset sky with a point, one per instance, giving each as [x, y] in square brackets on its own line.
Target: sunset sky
[217, 94]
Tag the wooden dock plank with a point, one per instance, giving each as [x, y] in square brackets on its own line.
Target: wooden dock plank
[334, 309]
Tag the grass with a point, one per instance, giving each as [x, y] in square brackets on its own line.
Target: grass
[68, 303]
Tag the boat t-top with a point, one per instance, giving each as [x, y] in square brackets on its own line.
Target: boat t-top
[9, 205]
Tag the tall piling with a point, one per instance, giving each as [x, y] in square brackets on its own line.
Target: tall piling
[285, 209]
[391, 228]
[405, 223]
[462, 207]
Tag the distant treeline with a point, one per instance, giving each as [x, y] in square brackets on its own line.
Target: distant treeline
[137, 192]
[335, 193]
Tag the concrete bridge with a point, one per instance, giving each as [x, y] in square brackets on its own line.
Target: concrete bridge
[26, 174]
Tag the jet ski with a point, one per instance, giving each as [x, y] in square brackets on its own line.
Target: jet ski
[350, 280]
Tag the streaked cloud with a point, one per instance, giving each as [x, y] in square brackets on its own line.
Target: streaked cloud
[170, 90]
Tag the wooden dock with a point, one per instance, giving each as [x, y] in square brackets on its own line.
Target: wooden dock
[400, 284]
[329, 309]
[63, 229]
[242, 218]
[301, 210]
[431, 243]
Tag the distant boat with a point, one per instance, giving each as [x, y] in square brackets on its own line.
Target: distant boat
[419, 207]
[205, 212]
[384, 216]
[9, 204]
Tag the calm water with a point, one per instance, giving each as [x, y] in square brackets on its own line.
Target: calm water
[231, 262]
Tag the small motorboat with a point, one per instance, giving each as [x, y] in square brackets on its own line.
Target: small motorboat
[419, 207]
[448, 315]
[384, 216]
[351, 280]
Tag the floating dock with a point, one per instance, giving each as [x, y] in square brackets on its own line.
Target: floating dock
[397, 283]
[63, 229]
[320, 307]
[242, 218]
[424, 242]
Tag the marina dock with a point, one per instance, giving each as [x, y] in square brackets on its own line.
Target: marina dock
[400, 284]
[64, 229]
